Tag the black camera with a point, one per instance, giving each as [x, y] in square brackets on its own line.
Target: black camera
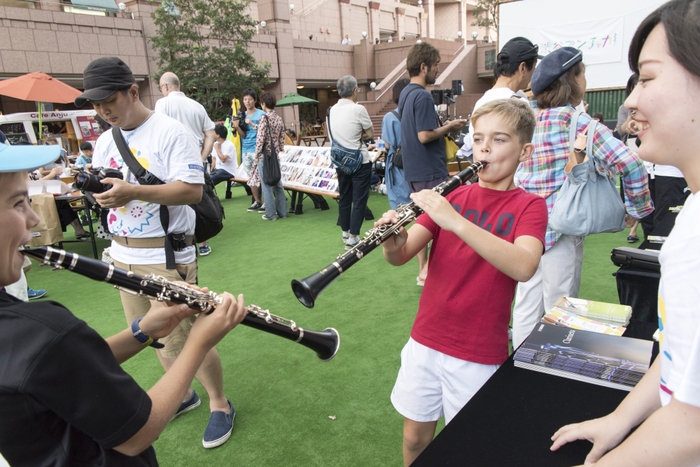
[90, 181]
[443, 96]
[241, 120]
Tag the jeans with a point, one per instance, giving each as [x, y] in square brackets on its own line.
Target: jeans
[354, 192]
[220, 175]
[273, 196]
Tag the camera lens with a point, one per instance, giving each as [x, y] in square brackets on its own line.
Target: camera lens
[86, 181]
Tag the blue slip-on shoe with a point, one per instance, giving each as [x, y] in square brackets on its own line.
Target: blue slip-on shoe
[190, 404]
[219, 428]
[34, 294]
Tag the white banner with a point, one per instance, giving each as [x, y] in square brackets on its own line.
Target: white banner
[600, 41]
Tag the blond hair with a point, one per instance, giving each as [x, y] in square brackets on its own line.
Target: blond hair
[514, 112]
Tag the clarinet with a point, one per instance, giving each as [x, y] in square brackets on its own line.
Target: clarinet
[325, 343]
[306, 290]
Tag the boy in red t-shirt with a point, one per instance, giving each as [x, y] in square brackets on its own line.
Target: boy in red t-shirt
[486, 237]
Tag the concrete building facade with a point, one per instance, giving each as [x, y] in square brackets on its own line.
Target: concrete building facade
[301, 39]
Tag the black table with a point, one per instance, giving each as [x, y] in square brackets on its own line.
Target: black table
[510, 420]
[638, 287]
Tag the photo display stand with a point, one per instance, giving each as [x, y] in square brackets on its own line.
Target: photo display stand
[308, 173]
[309, 169]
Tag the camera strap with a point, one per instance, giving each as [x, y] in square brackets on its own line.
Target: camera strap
[147, 178]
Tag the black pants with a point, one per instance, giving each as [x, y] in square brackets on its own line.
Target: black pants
[354, 192]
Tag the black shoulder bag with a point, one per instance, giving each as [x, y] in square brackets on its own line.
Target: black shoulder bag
[209, 211]
[272, 174]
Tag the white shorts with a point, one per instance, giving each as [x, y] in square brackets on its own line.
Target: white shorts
[431, 383]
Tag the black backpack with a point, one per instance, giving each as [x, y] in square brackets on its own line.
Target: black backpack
[209, 211]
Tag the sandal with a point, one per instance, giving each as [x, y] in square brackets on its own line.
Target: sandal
[632, 239]
[83, 235]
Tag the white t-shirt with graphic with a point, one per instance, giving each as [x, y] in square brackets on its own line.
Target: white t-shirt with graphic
[229, 150]
[679, 308]
[164, 147]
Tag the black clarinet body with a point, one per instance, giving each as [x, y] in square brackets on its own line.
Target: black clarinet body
[306, 290]
[325, 343]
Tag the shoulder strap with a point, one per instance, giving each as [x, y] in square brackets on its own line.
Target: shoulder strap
[146, 178]
[405, 99]
[396, 113]
[572, 129]
[328, 121]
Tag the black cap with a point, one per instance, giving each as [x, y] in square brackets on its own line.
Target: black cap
[553, 66]
[103, 77]
[518, 49]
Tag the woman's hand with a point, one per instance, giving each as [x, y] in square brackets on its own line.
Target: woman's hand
[605, 433]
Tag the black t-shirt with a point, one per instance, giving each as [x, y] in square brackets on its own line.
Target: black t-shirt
[421, 162]
[64, 399]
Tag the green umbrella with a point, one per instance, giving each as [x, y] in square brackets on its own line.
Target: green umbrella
[294, 99]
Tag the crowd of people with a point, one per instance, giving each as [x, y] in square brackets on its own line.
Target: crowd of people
[497, 230]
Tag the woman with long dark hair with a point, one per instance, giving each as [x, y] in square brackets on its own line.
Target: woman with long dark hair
[666, 402]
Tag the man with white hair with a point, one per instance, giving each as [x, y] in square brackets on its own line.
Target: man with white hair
[192, 115]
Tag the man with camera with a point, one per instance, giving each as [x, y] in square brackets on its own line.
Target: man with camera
[193, 116]
[167, 150]
[246, 123]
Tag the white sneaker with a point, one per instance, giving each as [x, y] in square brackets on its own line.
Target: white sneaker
[351, 243]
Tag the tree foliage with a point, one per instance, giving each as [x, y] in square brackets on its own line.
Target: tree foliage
[204, 42]
[486, 14]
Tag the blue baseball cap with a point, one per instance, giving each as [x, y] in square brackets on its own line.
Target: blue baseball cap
[553, 66]
[26, 157]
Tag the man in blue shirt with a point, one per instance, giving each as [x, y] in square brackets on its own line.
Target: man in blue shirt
[421, 134]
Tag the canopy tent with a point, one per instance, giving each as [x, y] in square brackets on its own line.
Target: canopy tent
[294, 99]
[38, 87]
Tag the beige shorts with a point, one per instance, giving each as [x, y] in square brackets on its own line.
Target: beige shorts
[136, 306]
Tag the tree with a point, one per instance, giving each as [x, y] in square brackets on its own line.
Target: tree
[204, 42]
[486, 14]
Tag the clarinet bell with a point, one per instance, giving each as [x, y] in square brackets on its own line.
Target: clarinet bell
[306, 290]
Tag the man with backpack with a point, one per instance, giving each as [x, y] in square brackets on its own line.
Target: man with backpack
[140, 242]
[192, 115]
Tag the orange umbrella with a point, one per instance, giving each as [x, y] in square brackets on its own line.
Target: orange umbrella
[38, 87]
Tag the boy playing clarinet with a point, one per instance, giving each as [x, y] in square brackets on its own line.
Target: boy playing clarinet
[486, 237]
[64, 399]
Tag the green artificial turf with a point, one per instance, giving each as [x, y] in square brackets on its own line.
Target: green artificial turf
[283, 394]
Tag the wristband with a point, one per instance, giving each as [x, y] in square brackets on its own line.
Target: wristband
[142, 337]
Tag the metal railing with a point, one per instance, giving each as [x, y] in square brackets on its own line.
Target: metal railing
[309, 8]
[391, 86]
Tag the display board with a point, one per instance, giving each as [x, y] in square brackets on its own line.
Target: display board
[310, 168]
[602, 29]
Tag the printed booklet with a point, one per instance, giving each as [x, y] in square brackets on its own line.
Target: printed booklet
[602, 359]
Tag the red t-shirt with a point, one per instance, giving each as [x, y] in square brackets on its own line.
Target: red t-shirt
[465, 306]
